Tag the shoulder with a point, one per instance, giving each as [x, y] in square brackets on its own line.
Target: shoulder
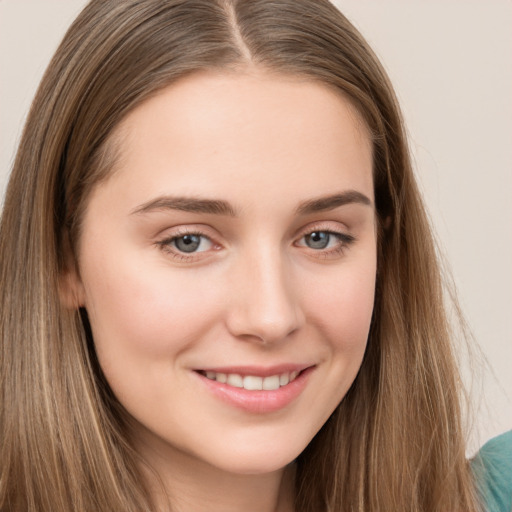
[492, 467]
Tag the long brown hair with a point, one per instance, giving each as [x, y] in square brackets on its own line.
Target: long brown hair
[394, 443]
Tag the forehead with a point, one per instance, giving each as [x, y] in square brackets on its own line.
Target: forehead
[217, 132]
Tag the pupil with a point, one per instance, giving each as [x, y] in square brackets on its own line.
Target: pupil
[188, 243]
[318, 240]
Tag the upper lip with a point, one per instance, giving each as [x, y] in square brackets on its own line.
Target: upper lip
[259, 371]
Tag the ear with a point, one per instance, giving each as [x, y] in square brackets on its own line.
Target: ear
[71, 290]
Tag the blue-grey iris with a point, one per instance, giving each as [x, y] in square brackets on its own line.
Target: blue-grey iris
[187, 243]
[318, 239]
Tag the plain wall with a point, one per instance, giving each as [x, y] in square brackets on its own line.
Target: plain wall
[451, 64]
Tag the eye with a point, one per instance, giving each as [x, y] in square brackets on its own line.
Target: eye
[325, 242]
[191, 243]
[320, 239]
[187, 243]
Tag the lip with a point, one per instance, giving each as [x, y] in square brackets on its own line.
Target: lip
[258, 371]
[260, 401]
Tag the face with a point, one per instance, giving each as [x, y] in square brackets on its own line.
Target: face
[228, 267]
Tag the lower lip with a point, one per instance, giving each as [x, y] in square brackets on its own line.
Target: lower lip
[260, 401]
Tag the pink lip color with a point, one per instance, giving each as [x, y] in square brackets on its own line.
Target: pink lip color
[258, 402]
[260, 371]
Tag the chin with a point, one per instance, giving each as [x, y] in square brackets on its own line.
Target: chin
[263, 464]
[258, 459]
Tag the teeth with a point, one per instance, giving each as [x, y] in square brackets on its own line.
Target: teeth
[270, 383]
[252, 382]
[235, 380]
[284, 379]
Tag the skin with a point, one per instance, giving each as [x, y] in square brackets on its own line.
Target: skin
[254, 293]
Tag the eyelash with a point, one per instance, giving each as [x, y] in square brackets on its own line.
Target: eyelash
[166, 244]
[345, 240]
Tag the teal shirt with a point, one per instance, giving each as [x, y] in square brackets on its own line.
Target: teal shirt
[492, 467]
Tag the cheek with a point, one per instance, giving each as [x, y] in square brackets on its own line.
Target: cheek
[145, 310]
[343, 306]
[144, 322]
[340, 308]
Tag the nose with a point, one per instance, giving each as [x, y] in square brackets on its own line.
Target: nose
[264, 302]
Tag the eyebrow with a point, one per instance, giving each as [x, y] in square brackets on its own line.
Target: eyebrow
[187, 204]
[326, 203]
[221, 207]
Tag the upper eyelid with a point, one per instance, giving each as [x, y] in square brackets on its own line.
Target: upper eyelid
[201, 230]
[344, 238]
[173, 232]
[326, 226]
[170, 233]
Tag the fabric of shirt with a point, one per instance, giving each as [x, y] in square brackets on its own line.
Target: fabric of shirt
[492, 467]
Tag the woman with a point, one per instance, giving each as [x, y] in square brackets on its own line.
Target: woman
[228, 295]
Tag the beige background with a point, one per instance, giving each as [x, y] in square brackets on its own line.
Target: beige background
[451, 63]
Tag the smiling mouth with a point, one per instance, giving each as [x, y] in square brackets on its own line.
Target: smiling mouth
[257, 390]
[252, 382]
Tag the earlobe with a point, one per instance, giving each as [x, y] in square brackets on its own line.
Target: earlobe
[71, 291]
